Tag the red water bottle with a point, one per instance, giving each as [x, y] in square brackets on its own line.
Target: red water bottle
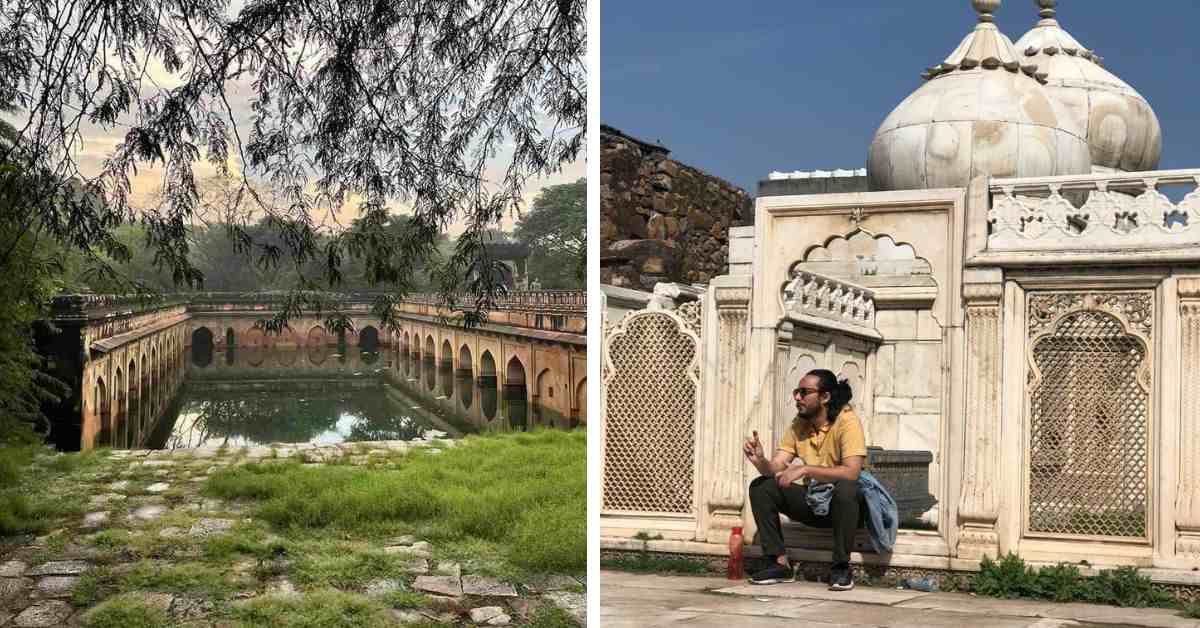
[735, 554]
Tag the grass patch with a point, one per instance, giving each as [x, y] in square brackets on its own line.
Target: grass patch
[13, 460]
[242, 540]
[524, 493]
[319, 609]
[125, 611]
[27, 506]
[197, 578]
[93, 585]
[345, 568]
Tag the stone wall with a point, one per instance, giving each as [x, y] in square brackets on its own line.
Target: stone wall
[661, 220]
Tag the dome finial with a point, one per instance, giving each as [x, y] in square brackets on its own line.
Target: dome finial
[986, 8]
[1047, 8]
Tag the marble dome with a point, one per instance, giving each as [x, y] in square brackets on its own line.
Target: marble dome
[1121, 129]
[982, 111]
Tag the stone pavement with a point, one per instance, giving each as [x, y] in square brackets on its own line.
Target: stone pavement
[147, 529]
[645, 601]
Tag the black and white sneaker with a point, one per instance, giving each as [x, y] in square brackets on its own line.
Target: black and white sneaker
[774, 574]
[841, 579]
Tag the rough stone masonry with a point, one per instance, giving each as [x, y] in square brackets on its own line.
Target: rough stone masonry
[661, 220]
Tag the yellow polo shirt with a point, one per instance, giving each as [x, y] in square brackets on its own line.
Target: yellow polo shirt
[831, 444]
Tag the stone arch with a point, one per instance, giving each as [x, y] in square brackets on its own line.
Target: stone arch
[464, 359]
[103, 410]
[581, 400]
[201, 335]
[155, 381]
[316, 336]
[487, 364]
[368, 338]
[488, 392]
[428, 353]
[405, 347]
[134, 404]
[202, 347]
[543, 409]
[864, 254]
[516, 393]
[446, 368]
[121, 405]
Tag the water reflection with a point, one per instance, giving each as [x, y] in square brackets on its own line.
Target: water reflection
[253, 394]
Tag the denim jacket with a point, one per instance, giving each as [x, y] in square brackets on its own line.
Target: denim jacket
[883, 518]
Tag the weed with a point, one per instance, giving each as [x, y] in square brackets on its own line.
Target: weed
[91, 587]
[22, 514]
[405, 599]
[1123, 586]
[319, 609]
[346, 569]
[641, 562]
[70, 463]
[1009, 578]
[551, 617]
[1192, 609]
[126, 611]
[244, 540]
[198, 578]
[13, 460]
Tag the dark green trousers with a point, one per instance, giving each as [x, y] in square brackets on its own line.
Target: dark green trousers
[846, 512]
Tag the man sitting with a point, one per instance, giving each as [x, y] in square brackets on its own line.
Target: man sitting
[828, 439]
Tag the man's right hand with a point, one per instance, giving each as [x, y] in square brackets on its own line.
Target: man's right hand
[753, 450]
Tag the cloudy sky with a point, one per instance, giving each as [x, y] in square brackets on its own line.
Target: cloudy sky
[98, 143]
[740, 91]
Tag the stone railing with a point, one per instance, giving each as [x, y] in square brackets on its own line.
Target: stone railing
[546, 301]
[66, 306]
[826, 301]
[537, 301]
[1106, 211]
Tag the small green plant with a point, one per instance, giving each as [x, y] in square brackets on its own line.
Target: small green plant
[1008, 578]
[551, 617]
[1059, 583]
[125, 611]
[318, 609]
[642, 561]
[1123, 586]
[1192, 609]
[93, 585]
[405, 599]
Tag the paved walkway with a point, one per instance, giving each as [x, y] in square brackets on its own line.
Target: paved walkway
[629, 600]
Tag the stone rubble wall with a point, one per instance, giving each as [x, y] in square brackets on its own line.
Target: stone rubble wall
[660, 220]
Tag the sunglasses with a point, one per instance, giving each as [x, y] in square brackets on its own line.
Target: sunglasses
[804, 392]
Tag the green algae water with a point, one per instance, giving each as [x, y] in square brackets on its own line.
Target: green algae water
[246, 396]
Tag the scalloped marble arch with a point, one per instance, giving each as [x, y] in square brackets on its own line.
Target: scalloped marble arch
[862, 253]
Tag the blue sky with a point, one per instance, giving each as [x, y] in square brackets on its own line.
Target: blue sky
[741, 89]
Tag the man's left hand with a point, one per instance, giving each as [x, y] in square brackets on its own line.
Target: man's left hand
[791, 474]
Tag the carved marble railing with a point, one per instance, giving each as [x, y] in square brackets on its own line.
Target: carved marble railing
[1106, 211]
[826, 301]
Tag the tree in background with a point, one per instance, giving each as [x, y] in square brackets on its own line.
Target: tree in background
[312, 107]
[555, 229]
[30, 273]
